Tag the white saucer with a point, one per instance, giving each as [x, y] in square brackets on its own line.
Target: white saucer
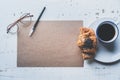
[103, 54]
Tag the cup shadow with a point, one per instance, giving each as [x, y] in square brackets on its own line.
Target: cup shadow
[109, 46]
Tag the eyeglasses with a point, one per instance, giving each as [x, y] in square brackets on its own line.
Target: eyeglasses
[25, 19]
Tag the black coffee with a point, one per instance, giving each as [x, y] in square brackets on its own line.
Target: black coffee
[106, 32]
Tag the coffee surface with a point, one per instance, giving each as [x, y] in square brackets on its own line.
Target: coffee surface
[106, 32]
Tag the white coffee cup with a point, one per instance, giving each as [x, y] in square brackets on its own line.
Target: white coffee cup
[107, 32]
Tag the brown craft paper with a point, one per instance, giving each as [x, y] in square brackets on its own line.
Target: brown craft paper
[52, 45]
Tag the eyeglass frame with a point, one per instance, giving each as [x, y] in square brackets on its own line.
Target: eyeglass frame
[17, 21]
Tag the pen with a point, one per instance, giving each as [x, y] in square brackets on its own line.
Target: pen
[36, 23]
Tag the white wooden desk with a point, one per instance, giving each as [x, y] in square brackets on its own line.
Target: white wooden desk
[86, 10]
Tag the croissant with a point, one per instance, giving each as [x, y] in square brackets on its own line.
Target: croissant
[87, 42]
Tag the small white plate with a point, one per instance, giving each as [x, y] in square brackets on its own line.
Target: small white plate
[111, 53]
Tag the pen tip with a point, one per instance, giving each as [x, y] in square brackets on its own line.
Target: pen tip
[30, 33]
